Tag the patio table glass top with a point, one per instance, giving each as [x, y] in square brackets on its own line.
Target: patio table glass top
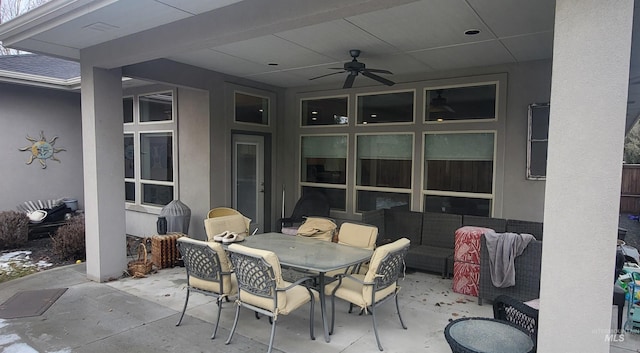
[309, 254]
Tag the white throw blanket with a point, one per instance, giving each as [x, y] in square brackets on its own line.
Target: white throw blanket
[503, 249]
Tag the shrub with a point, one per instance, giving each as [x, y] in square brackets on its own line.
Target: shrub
[14, 229]
[68, 242]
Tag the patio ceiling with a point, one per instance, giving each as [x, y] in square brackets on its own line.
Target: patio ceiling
[286, 42]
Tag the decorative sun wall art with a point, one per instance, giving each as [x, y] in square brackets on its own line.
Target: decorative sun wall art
[41, 149]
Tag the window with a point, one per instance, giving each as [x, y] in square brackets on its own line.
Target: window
[324, 166]
[394, 107]
[458, 172]
[461, 103]
[537, 141]
[149, 149]
[325, 111]
[384, 166]
[251, 109]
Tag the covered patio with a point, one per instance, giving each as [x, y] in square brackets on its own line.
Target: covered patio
[577, 55]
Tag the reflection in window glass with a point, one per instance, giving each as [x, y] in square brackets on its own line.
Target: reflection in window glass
[156, 156]
[385, 108]
[325, 111]
[252, 109]
[337, 197]
[156, 107]
[129, 156]
[457, 205]
[384, 160]
[538, 140]
[460, 162]
[130, 192]
[376, 200]
[324, 159]
[461, 103]
[158, 195]
[127, 109]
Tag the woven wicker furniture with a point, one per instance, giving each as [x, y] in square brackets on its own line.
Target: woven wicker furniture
[481, 334]
[516, 312]
[527, 267]
[374, 288]
[262, 289]
[208, 272]
[432, 234]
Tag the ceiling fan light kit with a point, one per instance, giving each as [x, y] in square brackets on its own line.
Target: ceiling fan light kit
[355, 67]
[439, 104]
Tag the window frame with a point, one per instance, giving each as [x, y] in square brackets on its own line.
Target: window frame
[462, 121]
[300, 117]
[427, 192]
[137, 129]
[530, 139]
[357, 187]
[344, 186]
[235, 118]
[413, 91]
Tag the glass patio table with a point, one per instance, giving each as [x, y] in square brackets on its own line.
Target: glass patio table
[310, 255]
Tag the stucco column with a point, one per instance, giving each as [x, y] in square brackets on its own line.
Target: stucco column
[586, 133]
[102, 140]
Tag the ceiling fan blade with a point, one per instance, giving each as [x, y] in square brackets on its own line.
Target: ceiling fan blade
[378, 78]
[349, 81]
[379, 71]
[333, 73]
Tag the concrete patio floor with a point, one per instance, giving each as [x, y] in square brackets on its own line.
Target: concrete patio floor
[139, 315]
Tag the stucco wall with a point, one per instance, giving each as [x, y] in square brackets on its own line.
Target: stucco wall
[26, 111]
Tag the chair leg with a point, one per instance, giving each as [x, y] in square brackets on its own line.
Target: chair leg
[184, 308]
[215, 328]
[273, 333]
[333, 313]
[235, 323]
[375, 326]
[312, 304]
[400, 316]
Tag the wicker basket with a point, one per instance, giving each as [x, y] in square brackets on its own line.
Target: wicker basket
[141, 266]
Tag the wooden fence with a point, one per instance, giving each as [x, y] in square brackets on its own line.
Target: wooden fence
[630, 191]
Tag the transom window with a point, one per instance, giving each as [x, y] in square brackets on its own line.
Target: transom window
[395, 107]
[325, 111]
[251, 109]
[461, 103]
[149, 149]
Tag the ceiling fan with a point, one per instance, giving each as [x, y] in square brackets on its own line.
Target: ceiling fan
[354, 67]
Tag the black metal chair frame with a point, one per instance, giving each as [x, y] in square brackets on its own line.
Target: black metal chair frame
[203, 262]
[256, 276]
[389, 271]
[512, 310]
[309, 205]
[458, 348]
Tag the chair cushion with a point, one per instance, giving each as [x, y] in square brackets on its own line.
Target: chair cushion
[289, 230]
[353, 291]
[317, 228]
[358, 235]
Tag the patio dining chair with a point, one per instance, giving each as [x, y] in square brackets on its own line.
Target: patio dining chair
[223, 219]
[510, 309]
[262, 289]
[208, 272]
[360, 236]
[374, 288]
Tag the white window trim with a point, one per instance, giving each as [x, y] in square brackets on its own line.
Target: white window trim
[473, 195]
[136, 129]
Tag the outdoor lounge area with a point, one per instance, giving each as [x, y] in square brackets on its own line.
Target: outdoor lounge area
[139, 314]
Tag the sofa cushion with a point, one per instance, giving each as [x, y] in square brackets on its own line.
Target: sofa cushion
[528, 227]
[402, 224]
[438, 229]
[499, 225]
